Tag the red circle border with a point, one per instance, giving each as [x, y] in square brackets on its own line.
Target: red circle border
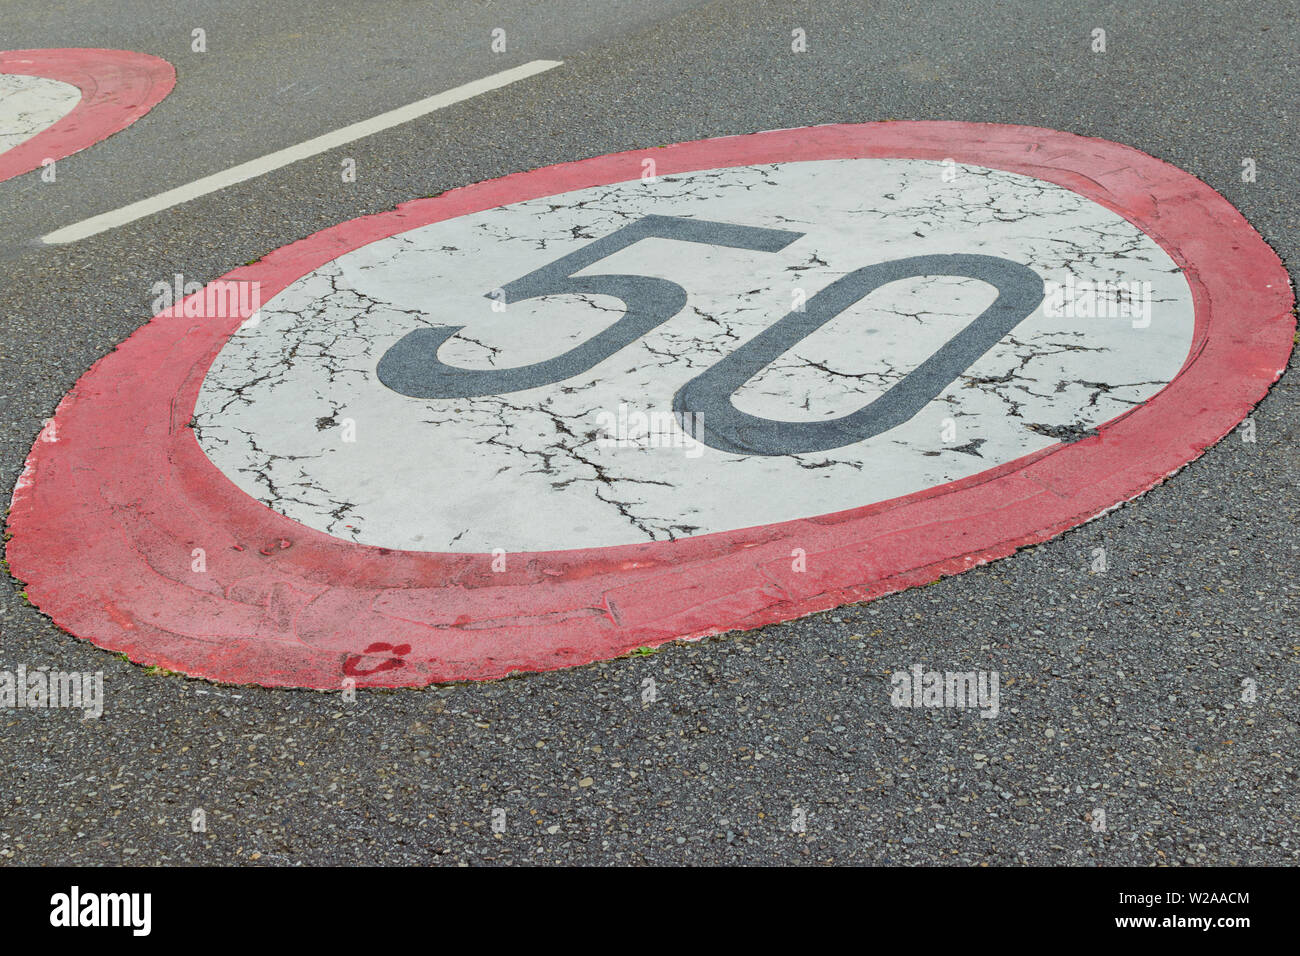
[116, 493]
[117, 88]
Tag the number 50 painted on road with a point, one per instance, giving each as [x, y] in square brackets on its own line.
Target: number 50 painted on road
[412, 367]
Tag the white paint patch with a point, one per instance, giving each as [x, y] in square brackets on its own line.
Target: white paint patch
[524, 471]
[30, 105]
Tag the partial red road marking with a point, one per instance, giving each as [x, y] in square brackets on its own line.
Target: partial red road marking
[117, 88]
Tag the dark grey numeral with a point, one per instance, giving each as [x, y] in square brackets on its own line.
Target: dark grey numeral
[412, 366]
[721, 425]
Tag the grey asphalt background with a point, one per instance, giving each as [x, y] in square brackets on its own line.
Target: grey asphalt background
[1121, 691]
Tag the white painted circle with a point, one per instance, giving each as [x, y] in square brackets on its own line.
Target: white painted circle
[30, 105]
[525, 471]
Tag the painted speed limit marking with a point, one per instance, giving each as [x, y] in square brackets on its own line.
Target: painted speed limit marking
[550, 418]
[56, 102]
[819, 323]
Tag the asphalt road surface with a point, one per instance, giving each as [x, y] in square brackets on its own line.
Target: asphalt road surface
[1122, 690]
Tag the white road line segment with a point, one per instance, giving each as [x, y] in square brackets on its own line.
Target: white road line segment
[312, 147]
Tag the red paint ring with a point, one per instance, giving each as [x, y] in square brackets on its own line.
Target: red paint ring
[117, 492]
[117, 88]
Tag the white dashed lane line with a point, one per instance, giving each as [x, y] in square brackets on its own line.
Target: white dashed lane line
[284, 157]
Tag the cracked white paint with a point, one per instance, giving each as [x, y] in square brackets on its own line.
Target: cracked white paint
[31, 104]
[523, 471]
